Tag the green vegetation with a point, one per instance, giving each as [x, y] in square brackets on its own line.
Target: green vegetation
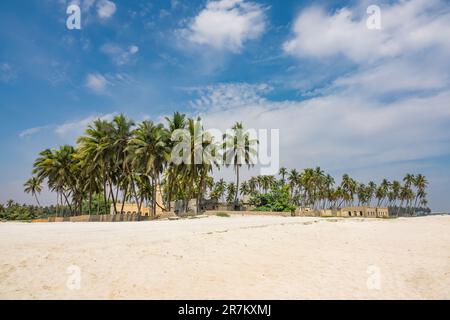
[315, 189]
[276, 200]
[15, 211]
[222, 214]
[120, 161]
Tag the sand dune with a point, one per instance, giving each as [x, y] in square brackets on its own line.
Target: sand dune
[228, 258]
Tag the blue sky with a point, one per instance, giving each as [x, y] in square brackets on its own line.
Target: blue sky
[372, 103]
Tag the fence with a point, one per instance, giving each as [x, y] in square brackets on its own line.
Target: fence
[97, 218]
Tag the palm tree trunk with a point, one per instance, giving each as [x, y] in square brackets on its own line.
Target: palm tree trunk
[105, 197]
[35, 195]
[124, 198]
[90, 199]
[154, 197]
[112, 195]
[67, 201]
[200, 192]
[237, 188]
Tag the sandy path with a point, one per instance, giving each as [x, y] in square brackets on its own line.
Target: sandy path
[230, 258]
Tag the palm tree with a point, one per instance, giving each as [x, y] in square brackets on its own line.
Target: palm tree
[349, 188]
[96, 152]
[9, 203]
[176, 123]
[238, 150]
[221, 187]
[371, 190]
[283, 172]
[420, 183]
[245, 189]
[409, 180]
[394, 194]
[382, 192]
[122, 135]
[148, 152]
[293, 181]
[231, 191]
[407, 194]
[33, 186]
[57, 167]
[252, 185]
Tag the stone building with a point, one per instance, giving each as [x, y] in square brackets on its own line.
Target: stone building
[356, 211]
[364, 211]
[132, 208]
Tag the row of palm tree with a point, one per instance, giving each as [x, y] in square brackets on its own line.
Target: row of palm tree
[128, 162]
[121, 162]
[315, 189]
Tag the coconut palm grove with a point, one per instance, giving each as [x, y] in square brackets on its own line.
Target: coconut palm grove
[121, 161]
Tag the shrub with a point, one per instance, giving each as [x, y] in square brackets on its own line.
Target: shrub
[223, 215]
[277, 200]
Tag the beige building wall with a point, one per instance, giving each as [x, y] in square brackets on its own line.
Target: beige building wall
[132, 208]
[382, 212]
[363, 211]
[356, 211]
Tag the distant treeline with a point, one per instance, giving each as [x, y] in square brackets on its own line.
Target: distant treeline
[14, 211]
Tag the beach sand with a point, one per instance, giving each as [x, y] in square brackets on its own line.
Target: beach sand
[242, 257]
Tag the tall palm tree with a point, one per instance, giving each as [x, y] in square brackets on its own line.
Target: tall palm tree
[245, 189]
[293, 181]
[175, 123]
[283, 172]
[148, 153]
[409, 181]
[96, 150]
[349, 189]
[33, 186]
[371, 190]
[122, 135]
[420, 183]
[57, 167]
[382, 192]
[231, 191]
[395, 192]
[253, 184]
[239, 150]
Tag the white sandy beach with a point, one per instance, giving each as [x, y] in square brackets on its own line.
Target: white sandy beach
[251, 257]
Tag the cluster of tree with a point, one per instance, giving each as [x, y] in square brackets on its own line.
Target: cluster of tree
[124, 162]
[15, 211]
[315, 189]
[119, 161]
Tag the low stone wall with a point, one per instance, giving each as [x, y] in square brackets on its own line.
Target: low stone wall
[250, 213]
[97, 218]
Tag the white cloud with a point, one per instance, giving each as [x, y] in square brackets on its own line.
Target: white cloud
[7, 73]
[96, 82]
[134, 49]
[119, 55]
[76, 128]
[227, 24]
[343, 130]
[397, 76]
[406, 26]
[32, 131]
[105, 9]
[234, 95]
